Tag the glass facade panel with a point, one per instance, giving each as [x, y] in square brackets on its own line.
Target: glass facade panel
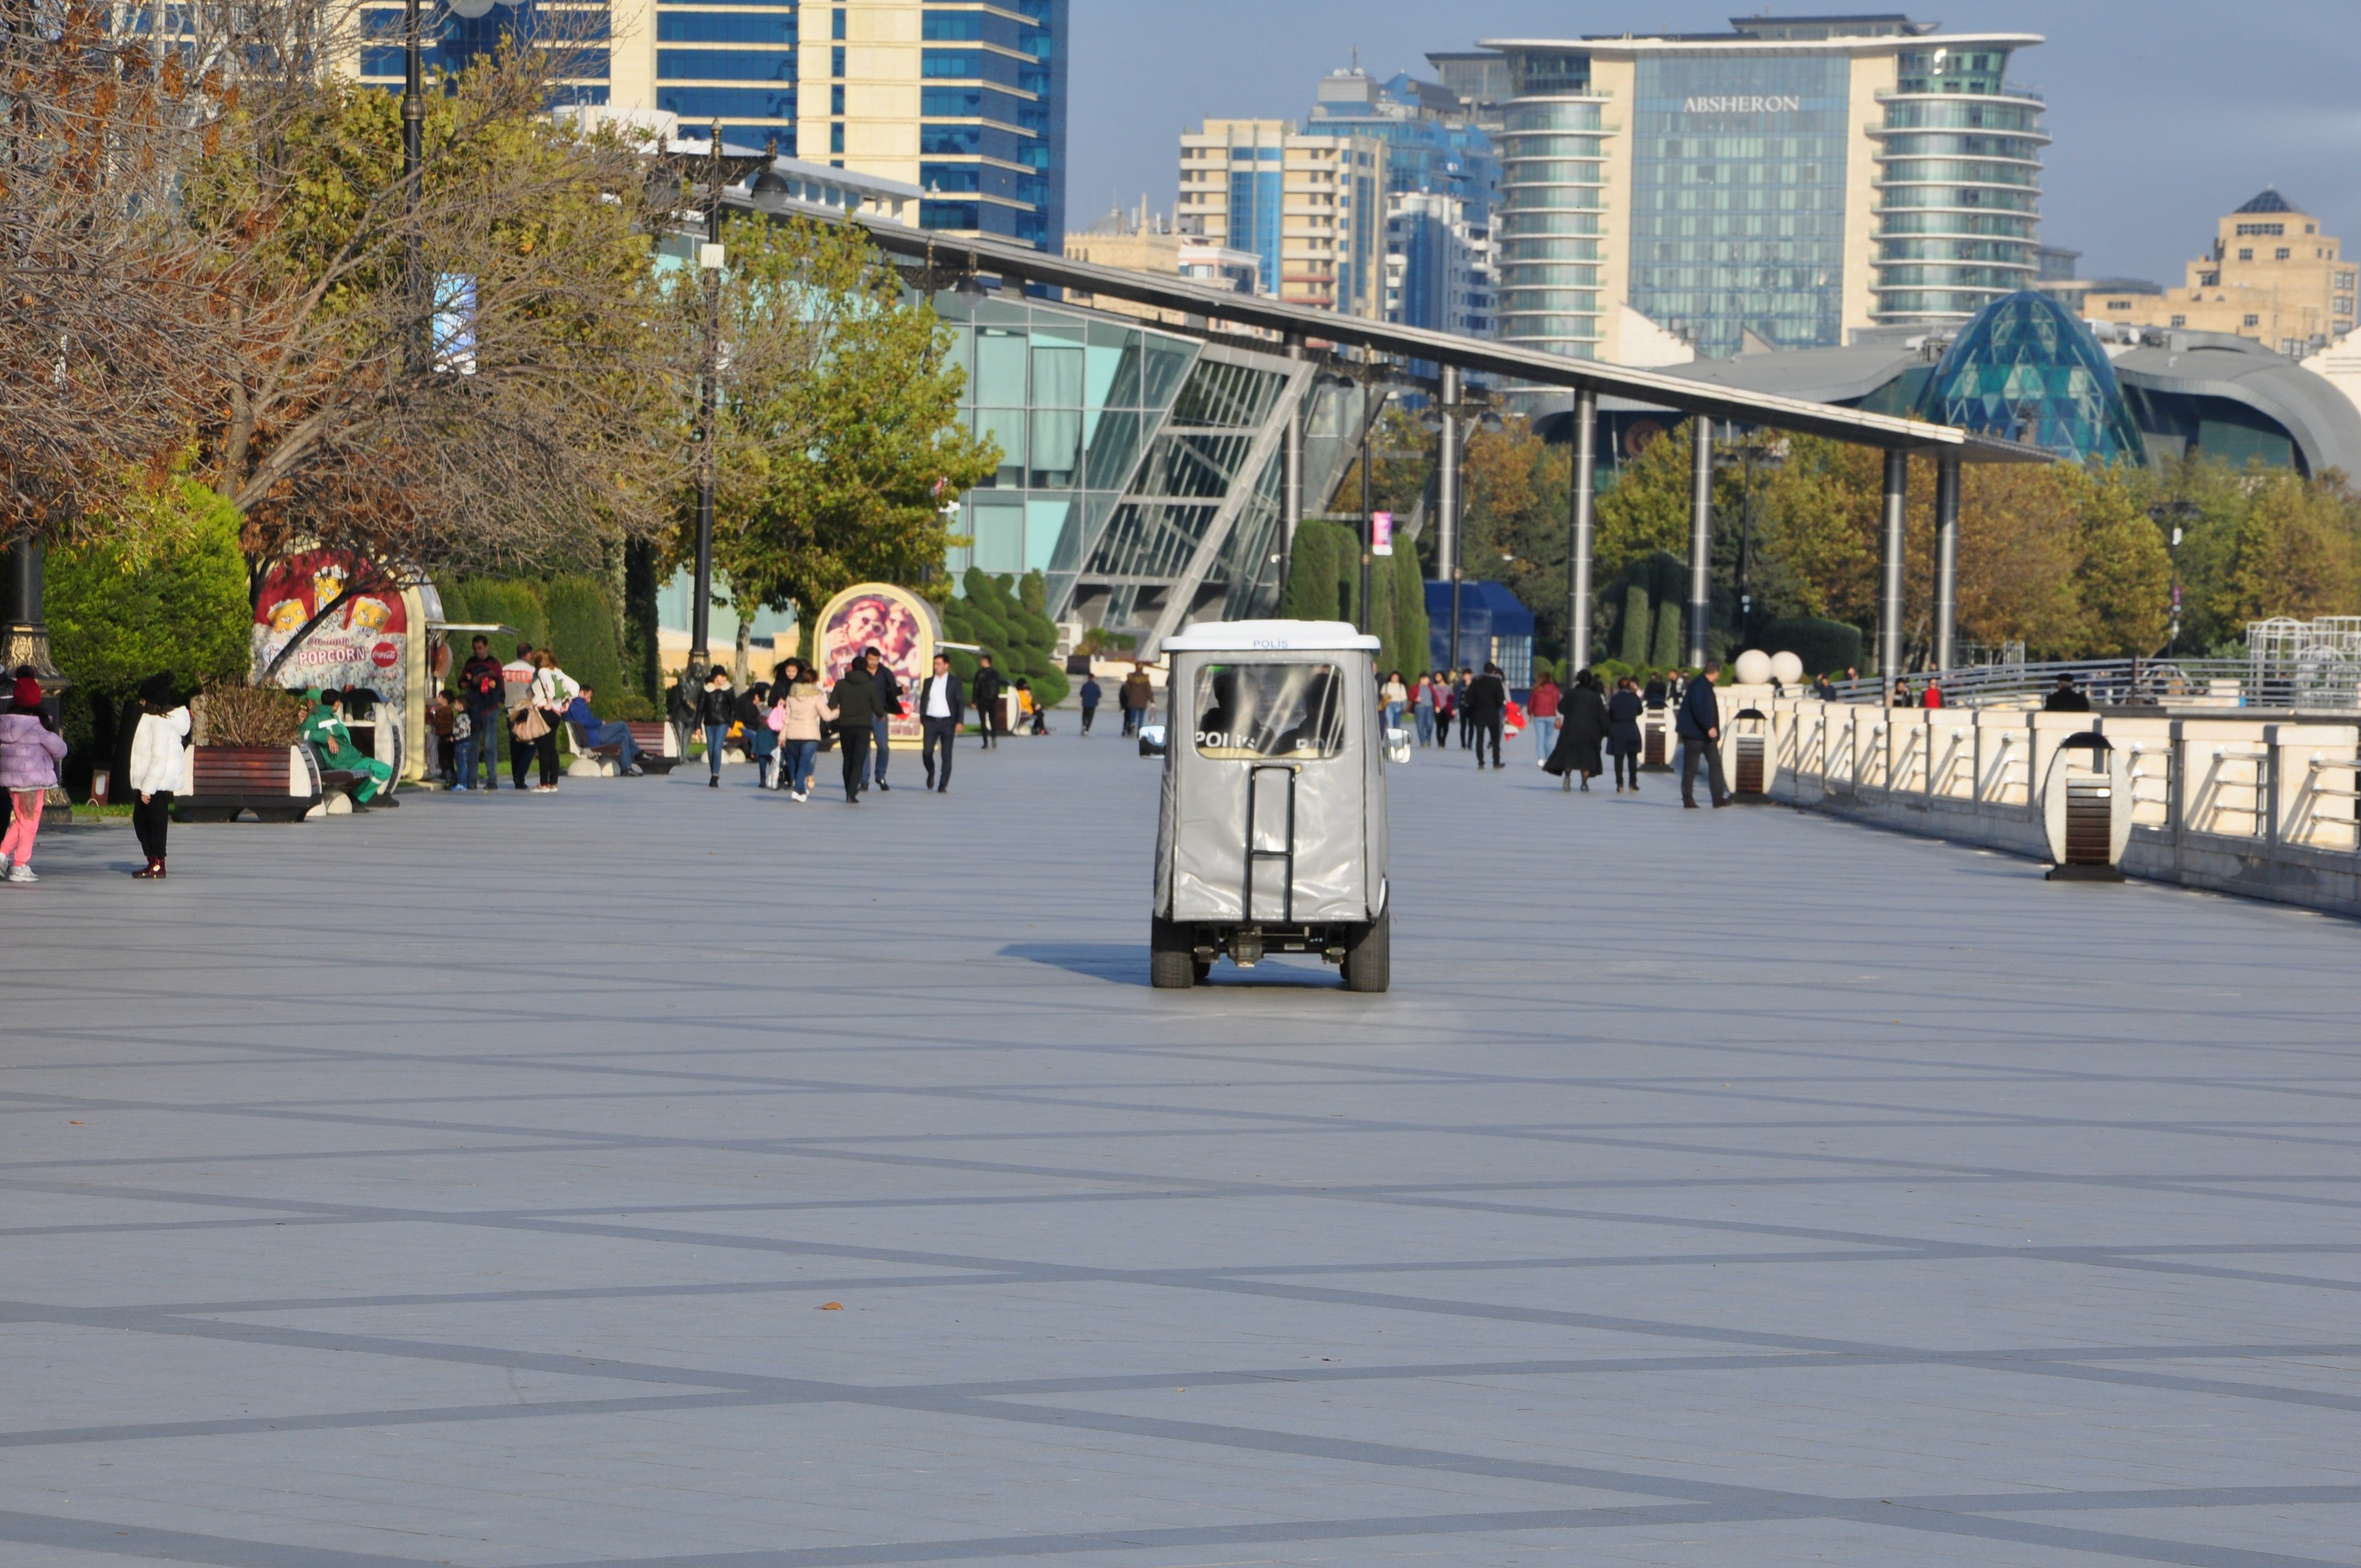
[2024, 369]
[1057, 448]
[1738, 198]
[999, 365]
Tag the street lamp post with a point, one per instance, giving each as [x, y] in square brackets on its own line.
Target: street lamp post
[2172, 516]
[414, 157]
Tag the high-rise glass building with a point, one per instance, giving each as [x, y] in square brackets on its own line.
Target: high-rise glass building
[965, 99]
[1779, 185]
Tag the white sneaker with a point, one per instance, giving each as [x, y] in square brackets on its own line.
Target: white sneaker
[797, 795]
[22, 873]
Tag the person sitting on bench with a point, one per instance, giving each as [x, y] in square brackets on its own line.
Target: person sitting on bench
[324, 730]
[597, 733]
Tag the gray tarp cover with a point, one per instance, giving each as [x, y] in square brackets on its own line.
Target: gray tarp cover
[1340, 807]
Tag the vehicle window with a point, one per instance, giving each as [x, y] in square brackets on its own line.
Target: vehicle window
[1285, 712]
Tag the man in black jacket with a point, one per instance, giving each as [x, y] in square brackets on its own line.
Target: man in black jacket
[1699, 725]
[1486, 708]
[988, 687]
[858, 710]
[2065, 698]
[889, 706]
[941, 706]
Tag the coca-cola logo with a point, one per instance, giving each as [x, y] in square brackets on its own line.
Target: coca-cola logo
[384, 655]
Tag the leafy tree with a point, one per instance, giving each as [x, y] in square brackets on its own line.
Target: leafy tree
[839, 440]
[2124, 579]
[2294, 553]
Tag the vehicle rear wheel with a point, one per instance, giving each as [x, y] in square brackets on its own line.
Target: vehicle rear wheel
[1368, 956]
[1171, 956]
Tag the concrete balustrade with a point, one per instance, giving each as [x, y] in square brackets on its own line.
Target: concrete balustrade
[2271, 809]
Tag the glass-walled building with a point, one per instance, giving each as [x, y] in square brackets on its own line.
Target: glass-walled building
[965, 99]
[1780, 186]
[1139, 468]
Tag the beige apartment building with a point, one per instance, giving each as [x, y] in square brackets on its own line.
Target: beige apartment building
[1311, 209]
[2270, 275]
[1140, 243]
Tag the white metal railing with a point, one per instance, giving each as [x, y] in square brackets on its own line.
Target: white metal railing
[2252, 803]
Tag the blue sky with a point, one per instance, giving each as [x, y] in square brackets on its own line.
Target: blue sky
[2166, 113]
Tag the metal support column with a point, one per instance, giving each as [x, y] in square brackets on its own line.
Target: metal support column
[1700, 540]
[1291, 488]
[1367, 618]
[1447, 524]
[1947, 558]
[24, 636]
[1888, 599]
[708, 419]
[1577, 559]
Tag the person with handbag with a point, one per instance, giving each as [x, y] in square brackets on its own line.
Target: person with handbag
[516, 700]
[553, 692]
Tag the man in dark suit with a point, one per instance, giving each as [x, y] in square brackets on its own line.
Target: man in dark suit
[1698, 724]
[941, 706]
[859, 716]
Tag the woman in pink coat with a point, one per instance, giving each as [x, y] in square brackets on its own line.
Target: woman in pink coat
[29, 754]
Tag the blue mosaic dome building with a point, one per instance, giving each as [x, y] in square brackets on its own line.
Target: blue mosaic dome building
[2025, 369]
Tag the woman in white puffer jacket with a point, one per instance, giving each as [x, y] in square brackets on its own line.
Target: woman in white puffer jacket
[159, 768]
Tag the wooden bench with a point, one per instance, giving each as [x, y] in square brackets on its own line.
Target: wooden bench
[278, 784]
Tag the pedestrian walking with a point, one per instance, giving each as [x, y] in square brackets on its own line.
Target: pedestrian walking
[1824, 688]
[1932, 697]
[1138, 696]
[516, 700]
[1623, 743]
[553, 691]
[1902, 697]
[29, 754]
[1655, 695]
[1446, 709]
[442, 716]
[1484, 708]
[1090, 696]
[716, 705]
[159, 768]
[799, 717]
[1421, 708]
[481, 689]
[855, 702]
[889, 707]
[1700, 725]
[1394, 698]
[941, 706]
[1577, 751]
[988, 687]
[1460, 682]
[754, 723]
[1541, 712]
[785, 676]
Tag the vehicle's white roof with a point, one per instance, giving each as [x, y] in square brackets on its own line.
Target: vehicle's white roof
[1262, 636]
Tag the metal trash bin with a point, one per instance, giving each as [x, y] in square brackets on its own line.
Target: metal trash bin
[1749, 740]
[2086, 808]
[1656, 740]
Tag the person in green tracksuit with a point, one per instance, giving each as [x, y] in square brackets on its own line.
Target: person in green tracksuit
[325, 732]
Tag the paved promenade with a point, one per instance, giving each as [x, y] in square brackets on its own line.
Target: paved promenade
[660, 1176]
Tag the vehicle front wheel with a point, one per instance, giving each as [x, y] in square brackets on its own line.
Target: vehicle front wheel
[1171, 956]
[1368, 956]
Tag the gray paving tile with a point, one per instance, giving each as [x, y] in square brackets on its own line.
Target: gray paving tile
[462, 1184]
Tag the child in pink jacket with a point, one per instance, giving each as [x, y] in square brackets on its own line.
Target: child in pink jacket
[29, 754]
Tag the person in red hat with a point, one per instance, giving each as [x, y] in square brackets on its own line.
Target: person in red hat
[29, 754]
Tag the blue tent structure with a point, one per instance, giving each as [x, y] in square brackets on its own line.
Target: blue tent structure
[1493, 625]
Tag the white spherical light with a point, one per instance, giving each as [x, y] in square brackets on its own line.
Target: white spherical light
[1786, 669]
[1753, 668]
[471, 9]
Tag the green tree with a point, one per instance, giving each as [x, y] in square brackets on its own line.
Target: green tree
[2294, 553]
[840, 440]
[2124, 580]
[161, 587]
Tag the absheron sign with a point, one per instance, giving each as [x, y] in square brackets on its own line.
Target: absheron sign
[1742, 103]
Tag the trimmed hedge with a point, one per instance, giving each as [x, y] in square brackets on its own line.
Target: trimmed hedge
[1002, 615]
[1826, 647]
